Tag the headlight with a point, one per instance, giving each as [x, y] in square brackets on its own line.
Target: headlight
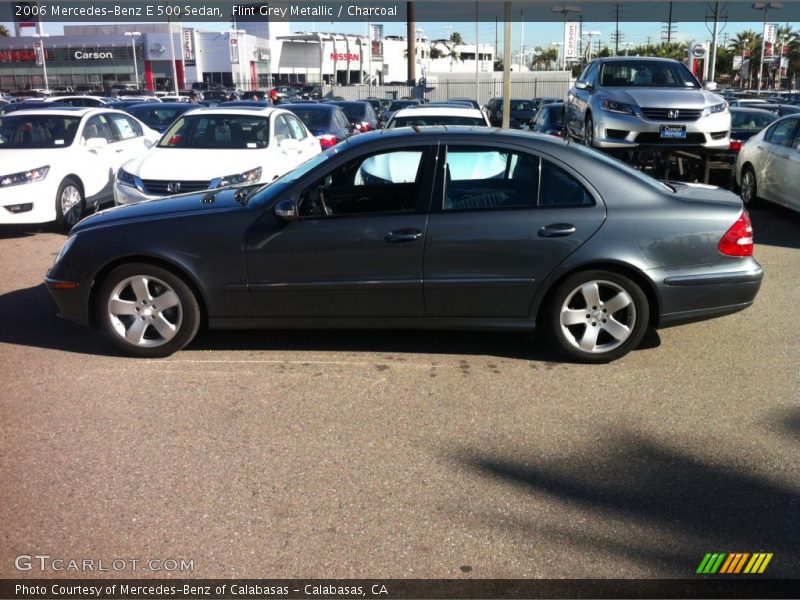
[24, 177]
[716, 108]
[126, 178]
[65, 248]
[613, 106]
[250, 176]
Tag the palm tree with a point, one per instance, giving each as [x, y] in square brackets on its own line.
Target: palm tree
[545, 57]
[455, 55]
[749, 41]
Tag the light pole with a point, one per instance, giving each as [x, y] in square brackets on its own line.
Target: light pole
[133, 35]
[590, 35]
[765, 6]
[40, 48]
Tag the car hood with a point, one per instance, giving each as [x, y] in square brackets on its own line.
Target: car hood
[164, 208]
[704, 193]
[16, 160]
[663, 97]
[177, 164]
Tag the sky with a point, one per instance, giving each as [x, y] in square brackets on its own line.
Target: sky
[531, 36]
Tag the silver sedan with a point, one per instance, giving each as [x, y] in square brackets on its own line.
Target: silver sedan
[768, 166]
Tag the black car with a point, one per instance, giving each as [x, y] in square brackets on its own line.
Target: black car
[326, 121]
[437, 228]
[310, 92]
[549, 119]
[28, 105]
[159, 115]
[521, 113]
[360, 113]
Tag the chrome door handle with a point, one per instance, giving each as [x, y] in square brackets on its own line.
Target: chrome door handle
[557, 230]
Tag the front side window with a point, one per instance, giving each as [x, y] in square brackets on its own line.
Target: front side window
[489, 179]
[282, 131]
[221, 131]
[381, 183]
[782, 133]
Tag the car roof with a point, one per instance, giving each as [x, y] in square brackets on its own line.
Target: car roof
[636, 58]
[439, 111]
[327, 106]
[71, 111]
[264, 111]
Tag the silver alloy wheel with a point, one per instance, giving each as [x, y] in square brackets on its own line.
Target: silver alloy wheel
[70, 203]
[144, 311]
[588, 133]
[748, 181]
[598, 316]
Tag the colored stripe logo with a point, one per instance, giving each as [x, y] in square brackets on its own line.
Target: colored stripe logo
[734, 563]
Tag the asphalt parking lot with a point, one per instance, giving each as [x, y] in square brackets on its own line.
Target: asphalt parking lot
[402, 454]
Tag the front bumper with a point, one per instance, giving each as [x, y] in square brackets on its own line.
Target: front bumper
[72, 304]
[40, 195]
[618, 130]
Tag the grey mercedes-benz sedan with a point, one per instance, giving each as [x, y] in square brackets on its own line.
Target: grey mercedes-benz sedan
[630, 102]
[438, 227]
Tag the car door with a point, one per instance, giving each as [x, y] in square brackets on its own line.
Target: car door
[131, 139]
[309, 146]
[793, 177]
[356, 248]
[578, 100]
[99, 159]
[774, 171]
[290, 151]
[502, 218]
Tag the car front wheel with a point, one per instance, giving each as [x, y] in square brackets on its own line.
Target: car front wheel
[588, 131]
[596, 316]
[147, 311]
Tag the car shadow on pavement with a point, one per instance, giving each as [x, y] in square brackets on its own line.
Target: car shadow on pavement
[650, 504]
[775, 226]
[30, 320]
[18, 231]
[789, 422]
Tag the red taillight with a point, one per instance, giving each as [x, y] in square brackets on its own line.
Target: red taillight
[365, 126]
[735, 145]
[738, 240]
[327, 140]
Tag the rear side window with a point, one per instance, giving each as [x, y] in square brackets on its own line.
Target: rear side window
[559, 188]
[782, 133]
[478, 178]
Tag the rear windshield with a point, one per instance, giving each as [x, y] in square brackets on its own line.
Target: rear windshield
[314, 118]
[398, 104]
[521, 105]
[646, 73]
[414, 121]
[154, 116]
[37, 131]
[355, 111]
[217, 132]
[750, 121]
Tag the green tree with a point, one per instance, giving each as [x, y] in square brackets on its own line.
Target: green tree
[545, 57]
[4, 32]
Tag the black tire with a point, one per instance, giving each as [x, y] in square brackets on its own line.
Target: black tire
[134, 322]
[748, 190]
[588, 131]
[616, 322]
[67, 212]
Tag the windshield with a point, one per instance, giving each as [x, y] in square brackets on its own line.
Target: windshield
[156, 117]
[646, 73]
[415, 121]
[217, 131]
[521, 105]
[37, 131]
[314, 118]
[355, 111]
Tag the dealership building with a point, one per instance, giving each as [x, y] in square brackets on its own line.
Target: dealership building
[256, 56]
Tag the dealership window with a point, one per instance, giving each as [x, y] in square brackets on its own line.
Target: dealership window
[387, 182]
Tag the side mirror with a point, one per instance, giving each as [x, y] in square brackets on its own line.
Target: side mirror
[711, 85]
[96, 143]
[149, 143]
[286, 210]
[580, 85]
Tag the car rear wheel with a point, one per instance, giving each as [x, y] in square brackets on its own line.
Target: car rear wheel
[596, 316]
[147, 311]
[588, 131]
[70, 204]
[748, 188]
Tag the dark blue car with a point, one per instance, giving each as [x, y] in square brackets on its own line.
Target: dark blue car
[159, 115]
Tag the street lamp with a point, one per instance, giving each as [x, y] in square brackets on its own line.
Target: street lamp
[590, 35]
[765, 6]
[133, 35]
[40, 48]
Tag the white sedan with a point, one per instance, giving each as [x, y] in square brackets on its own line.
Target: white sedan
[57, 163]
[209, 148]
[424, 116]
[768, 165]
